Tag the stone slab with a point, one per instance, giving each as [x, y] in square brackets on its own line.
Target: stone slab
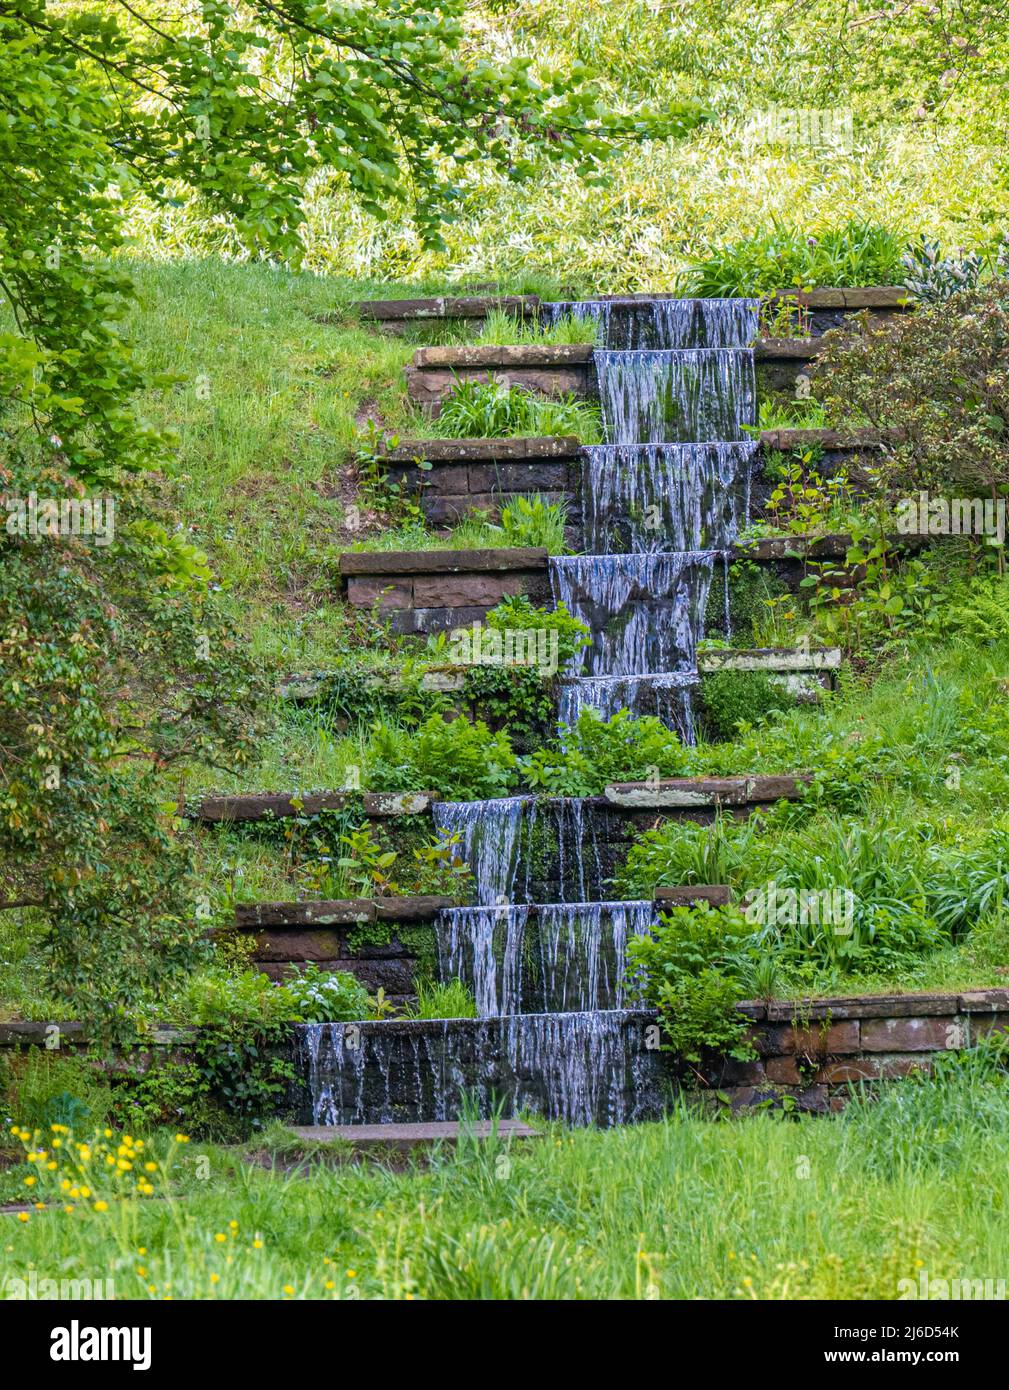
[323, 913]
[865, 1006]
[769, 659]
[507, 355]
[361, 562]
[446, 306]
[717, 894]
[410, 1136]
[440, 451]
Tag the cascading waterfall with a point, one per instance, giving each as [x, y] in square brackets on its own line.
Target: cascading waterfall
[682, 395]
[632, 324]
[585, 1068]
[557, 958]
[544, 955]
[667, 696]
[661, 497]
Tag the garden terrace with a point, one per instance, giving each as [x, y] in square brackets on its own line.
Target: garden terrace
[825, 308]
[436, 590]
[261, 806]
[830, 307]
[394, 315]
[452, 477]
[561, 369]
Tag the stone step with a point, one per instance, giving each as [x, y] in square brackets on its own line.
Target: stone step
[769, 659]
[411, 1136]
[705, 791]
[252, 806]
[445, 307]
[687, 895]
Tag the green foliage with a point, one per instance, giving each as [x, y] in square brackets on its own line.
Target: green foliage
[490, 410]
[517, 612]
[369, 868]
[44, 1088]
[593, 752]
[855, 254]
[517, 699]
[932, 277]
[113, 670]
[934, 386]
[458, 759]
[981, 615]
[319, 996]
[693, 968]
[533, 521]
[503, 329]
[894, 597]
[243, 1021]
[774, 413]
[731, 698]
[449, 1000]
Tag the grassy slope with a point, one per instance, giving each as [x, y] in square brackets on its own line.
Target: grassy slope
[266, 423]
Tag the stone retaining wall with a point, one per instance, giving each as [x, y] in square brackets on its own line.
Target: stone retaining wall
[435, 590]
[826, 307]
[812, 1051]
[452, 477]
[559, 369]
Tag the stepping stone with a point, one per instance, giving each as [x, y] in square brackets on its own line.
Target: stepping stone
[411, 1136]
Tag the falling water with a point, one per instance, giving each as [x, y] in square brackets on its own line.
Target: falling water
[686, 395]
[484, 947]
[560, 957]
[662, 501]
[646, 611]
[631, 323]
[522, 850]
[583, 1068]
[641, 497]
[489, 833]
[667, 696]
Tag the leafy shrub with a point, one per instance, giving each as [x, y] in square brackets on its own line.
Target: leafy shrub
[318, 996]
[934, 387]
[593, 752]
[458, 759]
[243, 1020]
[369, 867]
[856, 254]
[732, 698]
[982, 614]
[932, 277]
[533, 521]
[693, 968]
[490, 410]
[44, 1088]
[518, 612]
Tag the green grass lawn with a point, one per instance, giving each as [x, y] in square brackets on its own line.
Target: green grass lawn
[762, 1208]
